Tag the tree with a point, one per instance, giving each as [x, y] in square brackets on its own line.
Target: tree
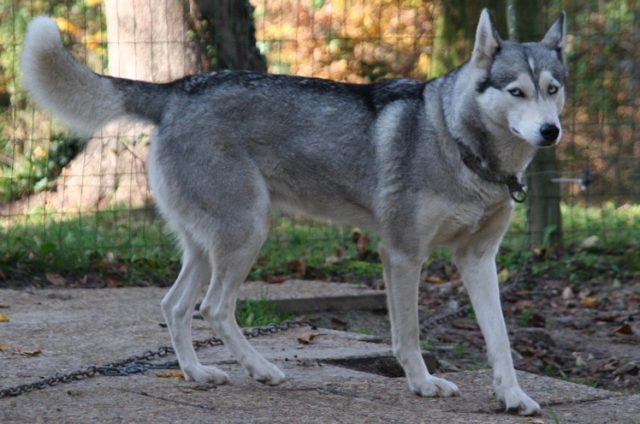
[544, 220]
[456, 25]
[157, 44]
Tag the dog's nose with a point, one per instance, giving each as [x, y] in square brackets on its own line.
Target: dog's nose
[549, 133]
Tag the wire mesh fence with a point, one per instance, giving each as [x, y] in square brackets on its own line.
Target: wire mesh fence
[82, 207]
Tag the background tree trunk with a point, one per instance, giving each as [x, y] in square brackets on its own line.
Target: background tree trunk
[231, 20]
[544, 220]
[145, 42]
[158, 42]
[456, 25]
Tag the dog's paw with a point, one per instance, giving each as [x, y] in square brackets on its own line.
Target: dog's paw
[266, 373]
[434, 386]
[205, 374]
[516, 400]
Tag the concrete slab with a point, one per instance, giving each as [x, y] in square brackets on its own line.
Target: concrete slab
[77, 328]
[299, 296]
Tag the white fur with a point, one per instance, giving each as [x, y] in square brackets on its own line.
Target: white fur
[71, 92]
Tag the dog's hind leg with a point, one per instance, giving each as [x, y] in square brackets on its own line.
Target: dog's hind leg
[178, 307]
[402, 274]
[237, 245]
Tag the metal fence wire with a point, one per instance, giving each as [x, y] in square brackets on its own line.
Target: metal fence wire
[72, 206]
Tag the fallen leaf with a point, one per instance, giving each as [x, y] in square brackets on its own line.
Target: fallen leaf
[298, 266]
[589, 302]
[532, 420]
[56, 279]
[331, 260]
[29, 352]
[567, 293]
[4, 318]
[589, 242]
[355, 234]
[612, 317]
[338, 321]
[276, 279]
[523, 304]
[112, 283]
[306, 338]
[433, 279]
[171, 374]
[625, 330]
[341, 252]
[362, 246]
[3, 346]
[503, 276]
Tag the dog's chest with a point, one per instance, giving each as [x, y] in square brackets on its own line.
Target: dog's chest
[466, 220]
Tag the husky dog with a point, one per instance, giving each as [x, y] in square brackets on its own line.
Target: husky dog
[421, 163]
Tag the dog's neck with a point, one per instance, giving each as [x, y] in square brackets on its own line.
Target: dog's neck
[493, 154]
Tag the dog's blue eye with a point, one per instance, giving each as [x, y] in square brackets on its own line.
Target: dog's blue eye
[552, 90]
[516, 92]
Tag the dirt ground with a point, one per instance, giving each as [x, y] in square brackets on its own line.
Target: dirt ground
[587, 333]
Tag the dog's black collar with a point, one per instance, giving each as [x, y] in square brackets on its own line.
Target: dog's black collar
[517, 190]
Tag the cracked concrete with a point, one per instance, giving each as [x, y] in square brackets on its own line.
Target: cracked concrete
[77, 328]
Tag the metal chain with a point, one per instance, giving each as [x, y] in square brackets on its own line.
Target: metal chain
[138, 364]
[462, 310]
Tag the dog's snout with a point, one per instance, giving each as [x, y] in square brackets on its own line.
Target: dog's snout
[549, 133]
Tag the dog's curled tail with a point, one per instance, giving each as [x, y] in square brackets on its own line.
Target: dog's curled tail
[83, 100]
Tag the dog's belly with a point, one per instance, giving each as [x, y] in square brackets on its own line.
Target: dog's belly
[320, 205]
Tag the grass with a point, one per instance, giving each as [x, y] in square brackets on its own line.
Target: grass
[132, 247]
[256, 313]
[460, 350]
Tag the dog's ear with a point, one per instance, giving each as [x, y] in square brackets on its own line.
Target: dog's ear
[487, 41]
[556, 36]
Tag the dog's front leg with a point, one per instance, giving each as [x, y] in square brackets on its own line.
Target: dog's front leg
[402, 274]
[480, 278]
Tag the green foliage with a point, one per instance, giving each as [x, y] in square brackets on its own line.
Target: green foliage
[38, 171]
[133, 246]
[429, 344]
[526, 315]
[460, 350]
[14, 17]
[128, 246]
[36, 152]
[255, 313]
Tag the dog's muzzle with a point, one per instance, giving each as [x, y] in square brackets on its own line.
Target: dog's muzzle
[549, 133]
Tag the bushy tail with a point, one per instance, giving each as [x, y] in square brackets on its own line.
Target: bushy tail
[83, 100]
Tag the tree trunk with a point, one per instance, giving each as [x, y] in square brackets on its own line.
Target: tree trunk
[231, 32]
[151, 41]
[456, 25]
[544, 220]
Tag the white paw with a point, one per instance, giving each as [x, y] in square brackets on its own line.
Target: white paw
[431, 386]
[205, 374]
[266, 373]
[515, 399]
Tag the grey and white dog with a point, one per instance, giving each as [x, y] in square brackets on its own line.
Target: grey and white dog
[422, 164]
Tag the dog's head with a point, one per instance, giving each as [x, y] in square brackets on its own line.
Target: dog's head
[521, 85]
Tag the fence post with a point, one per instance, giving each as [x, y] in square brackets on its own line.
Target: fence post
[544, 220]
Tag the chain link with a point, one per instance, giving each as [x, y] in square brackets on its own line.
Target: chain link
[138, 364]
[462, 310]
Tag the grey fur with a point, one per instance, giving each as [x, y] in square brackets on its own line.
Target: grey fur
[232, 145]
